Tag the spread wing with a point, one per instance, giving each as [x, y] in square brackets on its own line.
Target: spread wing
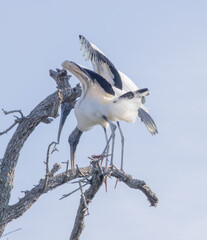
[88, 77]
[101, 64]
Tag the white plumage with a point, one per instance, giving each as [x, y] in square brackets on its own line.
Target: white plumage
[107, 96]
[95, 102]
[104, 67]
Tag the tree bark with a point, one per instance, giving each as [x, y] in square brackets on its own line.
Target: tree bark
[47, 108]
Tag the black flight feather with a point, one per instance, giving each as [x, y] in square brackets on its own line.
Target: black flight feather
[102, 81]
[128, 95]
[99, 57]
[117, 78]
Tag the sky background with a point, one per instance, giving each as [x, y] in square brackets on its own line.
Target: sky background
[161, 45]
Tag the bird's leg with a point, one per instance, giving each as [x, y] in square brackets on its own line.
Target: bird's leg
[122, 145]
[107, 150]
[73, 141]
[113, 129]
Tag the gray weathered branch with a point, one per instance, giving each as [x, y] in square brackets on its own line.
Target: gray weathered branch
[136, 184]
[97, 180]
[46, 109]
[31, 196]
[86, 198]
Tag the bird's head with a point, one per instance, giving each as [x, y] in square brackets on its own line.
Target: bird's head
[71, 66]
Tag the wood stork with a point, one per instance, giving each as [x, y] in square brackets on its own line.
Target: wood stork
[108, 95]
[99, 105]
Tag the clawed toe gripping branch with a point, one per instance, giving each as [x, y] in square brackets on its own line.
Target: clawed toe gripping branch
[89, 178]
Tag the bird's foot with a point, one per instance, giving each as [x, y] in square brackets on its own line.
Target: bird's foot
[122, 170]
[117, 180]
[97, 157]
[105, 182]
[101, 156]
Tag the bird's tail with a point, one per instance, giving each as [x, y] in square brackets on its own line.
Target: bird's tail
[148, 121]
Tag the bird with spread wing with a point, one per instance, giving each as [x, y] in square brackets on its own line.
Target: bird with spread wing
[107, 96]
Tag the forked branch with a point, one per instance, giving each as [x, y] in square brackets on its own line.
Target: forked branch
[43, 112]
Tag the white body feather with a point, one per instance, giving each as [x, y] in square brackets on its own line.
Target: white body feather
[96, 104]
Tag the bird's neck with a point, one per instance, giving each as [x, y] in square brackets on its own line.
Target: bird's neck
[84, 92]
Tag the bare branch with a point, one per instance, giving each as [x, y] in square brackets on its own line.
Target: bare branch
[136, 184]
[13, 111]
[9, 128]
[67, 195]
[6, 234]
[98, 175]
[47, 120]
[31, 196]
[84, 198]
[89, 194]
[61, 78]
[67, 166]
[17, 120]
[55, 148]
[48, 108]
[55, 168]
[47, 174]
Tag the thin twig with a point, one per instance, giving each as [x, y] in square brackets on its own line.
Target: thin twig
[47, 165]
[67, 166]
[55, 148]
[89, 194]
[67, 195]
[79, 171]
[9, 128]
[11, 232]
[17, 120]
[13, 111]
[84, 199]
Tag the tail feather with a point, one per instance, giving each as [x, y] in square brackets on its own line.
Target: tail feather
[148, 121]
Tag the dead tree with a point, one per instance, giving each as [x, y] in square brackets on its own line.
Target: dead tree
[92, 175]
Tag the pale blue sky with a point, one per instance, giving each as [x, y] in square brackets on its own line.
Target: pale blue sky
[161, 45]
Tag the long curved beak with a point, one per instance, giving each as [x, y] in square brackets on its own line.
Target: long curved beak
[73, 141]
[65, 110]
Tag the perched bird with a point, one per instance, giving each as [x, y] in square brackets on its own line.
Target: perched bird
[120, 82]
[108, 96]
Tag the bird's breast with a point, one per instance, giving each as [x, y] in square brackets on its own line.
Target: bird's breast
[89, 112]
